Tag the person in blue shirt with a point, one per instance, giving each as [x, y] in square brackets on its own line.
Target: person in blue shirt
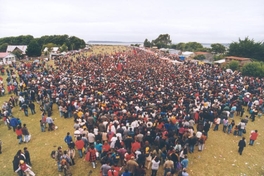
[68, 139]
[14, 123]
[98, 146]
[126, 173]
[185, 162]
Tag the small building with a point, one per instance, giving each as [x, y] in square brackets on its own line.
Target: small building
[21, 48]
[219, 62]
[174, 51]
[188, 54]
[241, 60]
[54, 50]
[7, 58]
[208, 56]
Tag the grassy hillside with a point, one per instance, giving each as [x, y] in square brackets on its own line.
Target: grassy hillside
[219, 158]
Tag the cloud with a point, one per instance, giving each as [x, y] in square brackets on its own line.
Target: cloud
[202, 21]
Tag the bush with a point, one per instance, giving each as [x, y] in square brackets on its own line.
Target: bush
[255, 69]
[233, 65]
[199, 57]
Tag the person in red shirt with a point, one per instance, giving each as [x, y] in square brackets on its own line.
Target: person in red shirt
[105, 149]
[112, 172]
[91, 155]
[79, 145]
[25, 168]
[135, 146]
[117, 168]
[19, 134]
[128, 156]
[253, 137]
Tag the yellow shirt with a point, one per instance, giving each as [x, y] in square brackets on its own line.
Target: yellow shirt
[80, 114]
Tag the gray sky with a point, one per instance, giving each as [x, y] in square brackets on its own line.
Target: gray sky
[206, 21]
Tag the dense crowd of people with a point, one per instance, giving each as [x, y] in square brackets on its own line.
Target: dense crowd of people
[132, 110]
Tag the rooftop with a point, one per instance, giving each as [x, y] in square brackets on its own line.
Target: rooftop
[238, 58]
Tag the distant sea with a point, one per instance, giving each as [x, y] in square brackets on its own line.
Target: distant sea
[207, 45]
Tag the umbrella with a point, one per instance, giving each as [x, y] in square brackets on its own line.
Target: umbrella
[36, 61]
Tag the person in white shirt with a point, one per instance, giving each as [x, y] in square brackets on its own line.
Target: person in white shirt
[155, 166]
[199, 134]
[77, 133]
[134, 124]
[217, 123]
[113, 141]
[137, 152]
[91, 138]
[119, 135]
[96, 131]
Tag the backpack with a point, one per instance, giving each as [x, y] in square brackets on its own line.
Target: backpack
[53, 154]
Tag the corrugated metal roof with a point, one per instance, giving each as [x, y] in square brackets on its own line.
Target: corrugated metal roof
[11, 48]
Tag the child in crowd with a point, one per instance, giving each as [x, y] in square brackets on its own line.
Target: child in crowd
[236, 130]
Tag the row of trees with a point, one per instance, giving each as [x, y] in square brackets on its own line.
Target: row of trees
[164, 41]
[242, 48]
[36, 45]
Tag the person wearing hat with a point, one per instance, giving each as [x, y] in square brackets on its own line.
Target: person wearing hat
[25, 168]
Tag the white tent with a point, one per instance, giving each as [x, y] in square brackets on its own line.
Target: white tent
[188, 53]
[220, 61]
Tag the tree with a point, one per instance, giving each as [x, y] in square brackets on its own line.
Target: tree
[173, 46]
[233, 65]
[147, 43]
[33, 49]
[218, 57]
[3, 47]
[162, 41]
[180, 46]
[199, 57]
[63, 48]
[19, 40]
[204, 49]
[255, 69]
[75, 43]
[217, 48]
[247, 48]
[193, 46]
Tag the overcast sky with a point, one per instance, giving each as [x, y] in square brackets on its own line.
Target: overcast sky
[206, 21]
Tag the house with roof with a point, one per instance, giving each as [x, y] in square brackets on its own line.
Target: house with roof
[54, 50]
[187, 54]
[241, 60]
[208, 56]
[7, 58]
[21, 48]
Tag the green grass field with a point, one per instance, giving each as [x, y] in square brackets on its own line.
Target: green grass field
[220, 157]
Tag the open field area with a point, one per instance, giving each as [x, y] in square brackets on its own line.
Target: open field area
[220, 157]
